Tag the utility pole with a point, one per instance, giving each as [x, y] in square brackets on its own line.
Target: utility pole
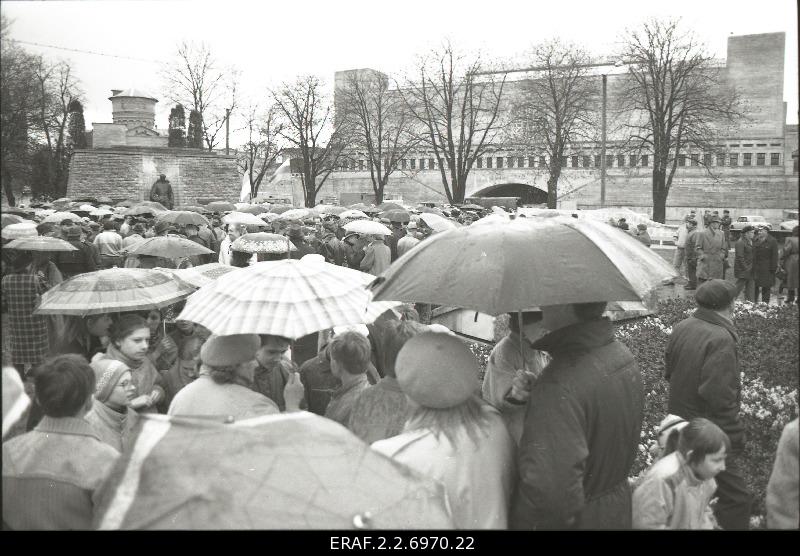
[228, 127]
[603, 148]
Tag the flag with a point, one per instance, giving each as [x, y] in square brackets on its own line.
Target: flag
[283, 170]
[245, 194]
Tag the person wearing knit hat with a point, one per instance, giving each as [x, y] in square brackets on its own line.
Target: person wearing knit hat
[223, 386]
[702, 367]
[451, 434]
[113, 392]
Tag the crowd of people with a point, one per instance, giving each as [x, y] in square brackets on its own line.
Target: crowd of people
[546, 440]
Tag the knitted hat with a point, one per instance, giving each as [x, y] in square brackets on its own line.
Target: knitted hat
[106, 374]
[716, 294]
[437, 370]
[225, 351]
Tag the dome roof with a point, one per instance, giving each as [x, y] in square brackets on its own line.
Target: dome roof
[136, 93]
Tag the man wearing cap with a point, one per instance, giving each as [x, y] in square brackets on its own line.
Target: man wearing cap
[725, 226]
[582, 426]
[65, 226]
[765, 263]
[377, 256]
[76, 262]
[298, 239]
[330, 246]
[109, 245]
[712, 252]
[680, 245]
[224, 385]
[743, 263]
[702, 368]
[691, 254]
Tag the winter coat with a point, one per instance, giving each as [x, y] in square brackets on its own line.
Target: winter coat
[377, 258]
[702, 367]
[207, 398]
[379, 411]
[112, 427]
[743, 262]
[782, 490]
[765, 261]
[72, 263]
[711, 254]
[790, 260]
[51, 475]
[581, 433]
[672, 497]
[161, 192]
[691, 245]
[477, 476]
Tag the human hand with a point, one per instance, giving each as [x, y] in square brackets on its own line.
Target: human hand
[521, 385]
[293, 392]
[141, 401]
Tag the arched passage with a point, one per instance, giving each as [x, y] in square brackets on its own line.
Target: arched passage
[528, 194]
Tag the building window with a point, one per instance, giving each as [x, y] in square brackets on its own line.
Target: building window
[632, 161]
[574, 160]
[587, 161]
[563, 161]
[542, 162]
[621, 160]
[480, 162]
[531, 161]
[510, 161]
[413, 163]
[761, 159]
[645, 160]
[360, 164]
[707, 160]
[748, 159]
[734, 159]
[499, 161]
[609, 160]
[775, 159]
[488, 161]
[720, 159]
[421, 163]
[681, 160]
[431, 164]
[520, 162]
[597, 161]
[403, 164]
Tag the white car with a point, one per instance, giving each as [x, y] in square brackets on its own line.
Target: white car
[788, 225]
[750, 220]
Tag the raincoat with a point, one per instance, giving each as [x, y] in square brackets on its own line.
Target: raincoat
[712, 250]
[765, 261]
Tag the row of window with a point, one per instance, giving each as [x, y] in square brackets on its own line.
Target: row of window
[586, 161]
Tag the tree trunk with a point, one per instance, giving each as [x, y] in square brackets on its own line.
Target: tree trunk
[310, 186]
[659, 195]
[552, 190]
[8, 188]
[459, 190]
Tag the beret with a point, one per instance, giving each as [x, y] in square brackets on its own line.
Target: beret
[716, 294]
[224, 351]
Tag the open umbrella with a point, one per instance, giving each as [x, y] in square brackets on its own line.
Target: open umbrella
[104, 200]
[101, 212]
[367, 227]
[288, 471]
[268, 216]
[437, 223]
[279, 209]
[141, 209]
[360, 206]
[40, 243]
[8, 219]
[183, 217]
[352, 213]
[168, 247]
[17, 211]
[192, 208]
[254, 209]
[286, 298]
[397, 215]
[57, 217]
[113, 290]
[199, 276]
[296, 214]
[263, 242]
[330, 209]
[220, 206]
[383, 207]
[470, 206]
[20, 230]
[156, 205]
[86, 208]
[525, 263]
[242, 218]
[128, 203]
[430, 210]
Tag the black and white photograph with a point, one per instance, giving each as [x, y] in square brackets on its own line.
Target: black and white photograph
[399, 273]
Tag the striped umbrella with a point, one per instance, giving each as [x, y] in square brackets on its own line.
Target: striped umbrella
[263, 242]
[169, 247]
[183, 217]
[201, 275]
[112, 291]
[286, 298]
[40, 243]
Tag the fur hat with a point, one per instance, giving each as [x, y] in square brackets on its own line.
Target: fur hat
[226, 351]
[716, 294]
[106, 373]
[437, 370]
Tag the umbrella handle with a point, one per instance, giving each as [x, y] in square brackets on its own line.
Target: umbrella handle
[521, 339]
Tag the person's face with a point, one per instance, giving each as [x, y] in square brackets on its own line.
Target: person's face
[65, 228]
[135, 344]
[188, 367]
[271, 352]
[186, 327]
[248, 370]
[233, 233]
[711, 465]
[153, 320]
[749, 234]
[124, 391]
[99, 325]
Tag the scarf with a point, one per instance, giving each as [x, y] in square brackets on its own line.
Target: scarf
[143, 372]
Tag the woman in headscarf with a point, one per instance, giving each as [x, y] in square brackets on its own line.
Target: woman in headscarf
[111, 415]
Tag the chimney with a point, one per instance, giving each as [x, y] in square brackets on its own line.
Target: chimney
[115, 92]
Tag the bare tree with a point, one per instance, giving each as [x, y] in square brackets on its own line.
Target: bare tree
[675, 99]
[380, 124]
[458, 109]
[198, 81]
[555, 107]
[263, 146]
[307, 118]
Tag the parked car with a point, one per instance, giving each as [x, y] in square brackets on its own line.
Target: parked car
[788, 225]
[751, 220]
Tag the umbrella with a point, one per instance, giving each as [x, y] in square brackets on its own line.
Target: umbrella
[128, 203]
[154, 204]
[263, 242]
[296, 214]
[330, 209]
[220, 206]
[168, 247]
[429, 210]
[17, 211]
[242, 218]
[367, 227]
[360, 206]
[254, 209]
[86, 208]
[113, 290]
[183, 217]
[397, 215]
[199, 276]
[8, 219]
[62, 200]
[268, 216]
[57, 217]
[436, 222]
[192, 208]
[286, 298]
[101, 212]
[352, 213]
[525, 263]
[40, 243]
[288, 471]
[279, 209]
[390, 206]
[142, 209]
[20, 230]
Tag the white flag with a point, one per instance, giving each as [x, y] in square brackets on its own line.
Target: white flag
[245, 194]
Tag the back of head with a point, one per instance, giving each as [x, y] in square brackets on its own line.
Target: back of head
[397, 334]
[64, 385]
[716, 294]
[701, 437]
[190, 348]
[44, 229]
[352, 351]
[109, 225]
[225, 353]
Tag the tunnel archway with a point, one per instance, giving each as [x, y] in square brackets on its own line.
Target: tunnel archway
[528, 195]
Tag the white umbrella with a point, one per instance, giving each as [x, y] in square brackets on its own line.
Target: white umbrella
[243, 218]
[296, 214]
[437, 223]
[101, 212]
[352, 213]
[57, 217]
[367, 227]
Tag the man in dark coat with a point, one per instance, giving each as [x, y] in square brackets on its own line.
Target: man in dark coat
[582, 426]
[298, 239]
[691, 254]
[161, 192]
[702, 368]
[71, 263]
[765, 263]
[743, 263]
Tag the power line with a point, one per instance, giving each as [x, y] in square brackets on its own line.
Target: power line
[87, 52]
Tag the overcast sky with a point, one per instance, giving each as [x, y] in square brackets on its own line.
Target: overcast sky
[270, 42]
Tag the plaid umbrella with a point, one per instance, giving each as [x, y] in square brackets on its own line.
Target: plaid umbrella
[40, 243]
[168, 247]
[57, 217]
[113, 290]
[367, 227]
[183, 217]
[285, 298]
[288, 471]
[8, 219]
[199, 276]
[20, 230]
[263, 242]
[242, 218]
[220, 206]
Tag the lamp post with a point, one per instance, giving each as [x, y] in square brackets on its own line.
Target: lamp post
[603, 146]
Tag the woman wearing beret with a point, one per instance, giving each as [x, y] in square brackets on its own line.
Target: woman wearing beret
[114, 390]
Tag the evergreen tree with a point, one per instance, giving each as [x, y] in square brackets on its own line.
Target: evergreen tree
[194, 137]
[76, 131]
[177, 127]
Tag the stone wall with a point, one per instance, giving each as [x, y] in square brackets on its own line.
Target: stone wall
[122, 173]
